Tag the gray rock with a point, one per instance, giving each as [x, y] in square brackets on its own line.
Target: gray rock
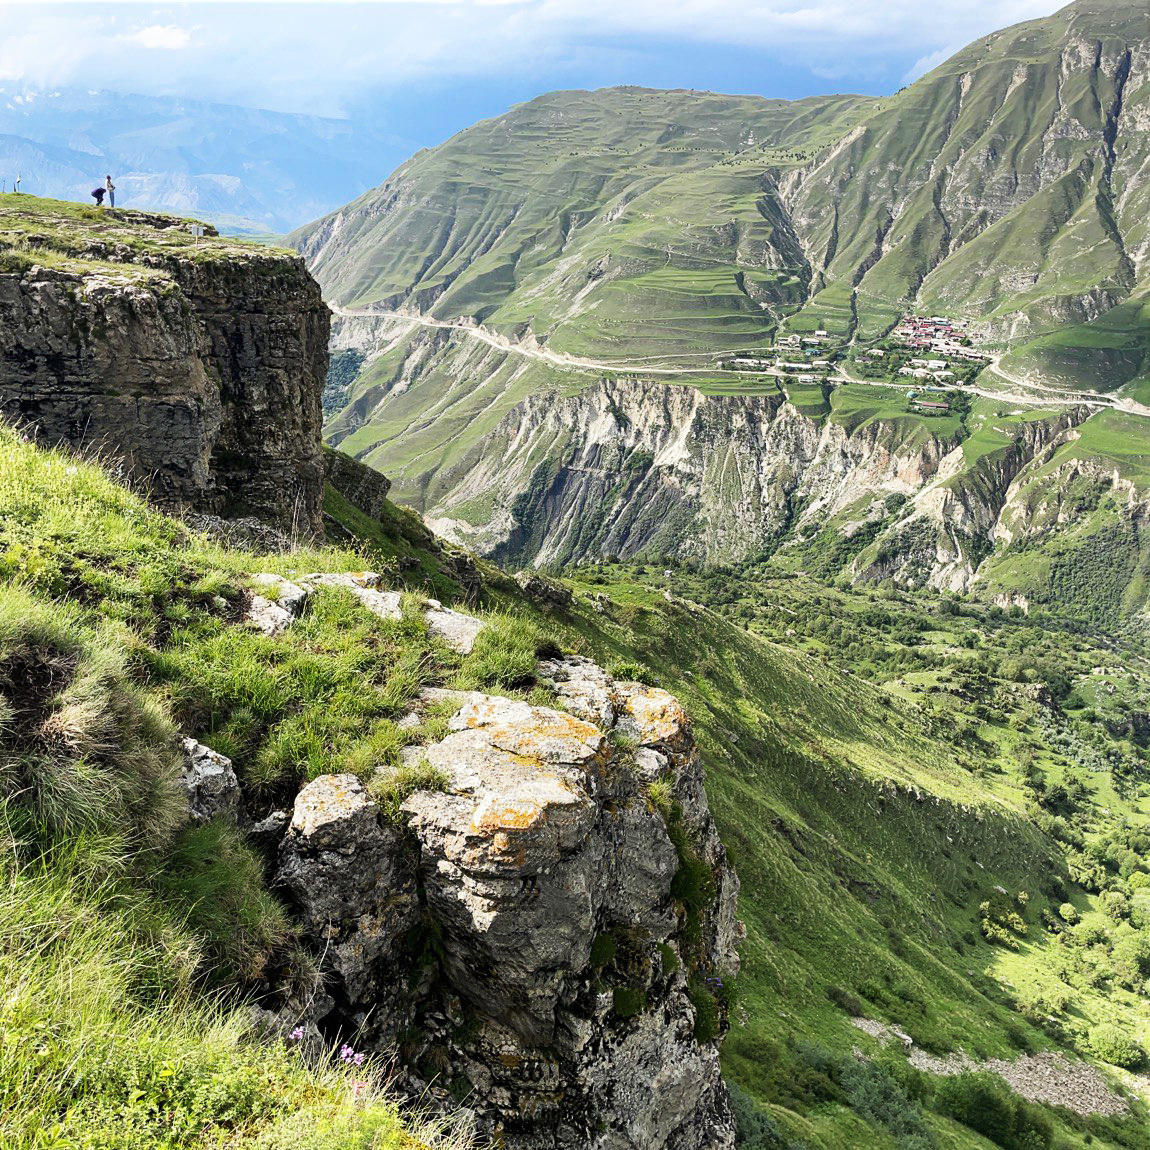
[541, 841]
[211, 784]
[457, 630]
[585, 688]
[267, 617]
[199, 378]
[346, 873]
[292, 597]
[272, 616]
[545, 593]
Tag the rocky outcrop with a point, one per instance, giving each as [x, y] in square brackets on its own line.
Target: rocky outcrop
[209, 780]
[360, 485]
[198, 369]
[523, 928]
[628, 467]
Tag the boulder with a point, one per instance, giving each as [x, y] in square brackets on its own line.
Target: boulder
[539, 843]
[211, 784]
[272, 616]
[584, 687]
[544, 593]
[345, 871]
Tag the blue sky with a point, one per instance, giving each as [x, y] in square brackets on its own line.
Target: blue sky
[424, 69]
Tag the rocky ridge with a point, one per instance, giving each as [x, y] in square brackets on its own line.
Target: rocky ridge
[195, 364]
[542, 929]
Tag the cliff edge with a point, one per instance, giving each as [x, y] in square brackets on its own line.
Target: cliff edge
[195, 364]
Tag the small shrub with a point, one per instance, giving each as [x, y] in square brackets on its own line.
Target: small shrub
[661, 794]
[1115, 1045]
[215, 880]
[668, 959]
[707, 1016]
[845, 1000]
[985, 1104]
[603, 949]
[504, 655]
[627, 1001]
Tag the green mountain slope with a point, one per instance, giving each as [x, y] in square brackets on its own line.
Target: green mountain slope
[598, 220]
[623, 245]
[870, 815]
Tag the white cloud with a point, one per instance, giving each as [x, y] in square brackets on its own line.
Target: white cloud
[167, 37]
[924, 64]
[323, 56]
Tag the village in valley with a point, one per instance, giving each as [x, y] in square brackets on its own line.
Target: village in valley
[932, 354]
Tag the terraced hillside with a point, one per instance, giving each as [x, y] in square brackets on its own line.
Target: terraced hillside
[603, 250]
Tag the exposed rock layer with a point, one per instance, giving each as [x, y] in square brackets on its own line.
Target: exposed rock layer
[629, 468]
[200, 370]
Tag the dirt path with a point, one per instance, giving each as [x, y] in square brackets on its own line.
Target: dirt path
[1034, 395]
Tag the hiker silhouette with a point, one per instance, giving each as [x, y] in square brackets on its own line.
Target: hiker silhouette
[98, 196]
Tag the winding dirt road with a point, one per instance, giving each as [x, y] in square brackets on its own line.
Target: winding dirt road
[1023, 392]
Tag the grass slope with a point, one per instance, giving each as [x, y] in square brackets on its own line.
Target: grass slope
[868, 817]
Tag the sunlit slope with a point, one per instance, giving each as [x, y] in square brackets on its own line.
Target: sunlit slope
[593, 218]
[1007, 185]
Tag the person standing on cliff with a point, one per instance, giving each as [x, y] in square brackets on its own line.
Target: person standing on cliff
[111, 190]
[98, 196]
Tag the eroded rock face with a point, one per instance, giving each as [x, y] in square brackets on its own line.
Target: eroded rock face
[345, 870]
[526, 910]
[199, 372]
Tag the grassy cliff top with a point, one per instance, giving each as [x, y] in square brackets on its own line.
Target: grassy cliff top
[82, 237]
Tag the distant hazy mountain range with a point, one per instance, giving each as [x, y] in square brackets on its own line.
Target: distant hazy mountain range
[244, 168]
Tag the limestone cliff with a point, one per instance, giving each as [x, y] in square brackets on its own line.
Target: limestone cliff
[631, 468]
[196, 363]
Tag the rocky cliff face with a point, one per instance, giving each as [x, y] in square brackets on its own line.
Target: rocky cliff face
[630, 468]
[545, 932]
[200, 368]
[623, 467]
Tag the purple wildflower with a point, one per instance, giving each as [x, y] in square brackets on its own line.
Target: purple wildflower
[297, 1034]
[346, 1054]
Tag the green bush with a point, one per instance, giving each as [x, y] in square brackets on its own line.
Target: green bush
[707, 1014]
[504, 655]
[603, 949]
[1117, 1046]
[985, 1104]
[627, 1002]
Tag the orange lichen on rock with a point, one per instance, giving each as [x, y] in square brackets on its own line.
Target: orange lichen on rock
[501, 813]
[658, 715]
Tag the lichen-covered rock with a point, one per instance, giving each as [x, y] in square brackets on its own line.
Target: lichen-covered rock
[527, 913]
[585, 688]
[211, 784]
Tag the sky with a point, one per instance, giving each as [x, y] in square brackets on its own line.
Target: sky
[424, 69]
